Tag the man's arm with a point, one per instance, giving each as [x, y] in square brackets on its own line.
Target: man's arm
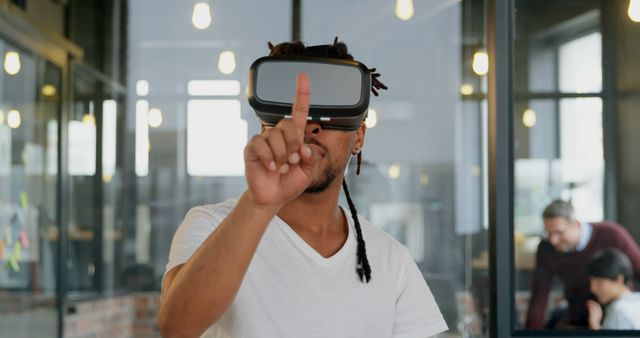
[278, 168]
[541, 285]
[197, 293]
[629, 246]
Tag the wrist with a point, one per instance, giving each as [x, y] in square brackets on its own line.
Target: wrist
[266, 210]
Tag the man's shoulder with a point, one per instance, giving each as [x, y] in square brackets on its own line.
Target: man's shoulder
[378, 240]
[606, 226]
[624, 310]
[216, 211]
[222, 207]
[629, 301]
[608, 229]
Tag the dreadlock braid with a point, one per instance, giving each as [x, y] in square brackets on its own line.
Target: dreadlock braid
[362, 262]
[286, 48]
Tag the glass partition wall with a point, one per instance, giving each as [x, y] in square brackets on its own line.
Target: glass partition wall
[137, 157]
[424, 157]
[423, 177]
[574, 113]
[101, 177]
[30, 105]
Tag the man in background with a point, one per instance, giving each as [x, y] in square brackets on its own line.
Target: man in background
[564, 255]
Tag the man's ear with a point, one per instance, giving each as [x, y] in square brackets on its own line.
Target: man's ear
[360, 134]
[620, 279]
[576, 223]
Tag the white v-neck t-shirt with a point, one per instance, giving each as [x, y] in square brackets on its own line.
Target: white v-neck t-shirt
[290, 290]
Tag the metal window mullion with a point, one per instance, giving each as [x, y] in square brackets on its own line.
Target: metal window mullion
[609, 110]
[500, 26]
[62, 200]
[296, 20]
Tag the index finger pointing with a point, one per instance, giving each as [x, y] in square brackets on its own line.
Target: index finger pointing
[300, 109]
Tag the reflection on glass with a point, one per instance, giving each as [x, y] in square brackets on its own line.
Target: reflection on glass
[423, 173]
[142, 138]
[582, 159]
[82, 148]
[142, 87]
[580, 64]
[213, 87]
[216, 136]
[28, 218]
[109, 134]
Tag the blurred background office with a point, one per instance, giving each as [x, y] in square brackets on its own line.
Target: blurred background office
[116, 117]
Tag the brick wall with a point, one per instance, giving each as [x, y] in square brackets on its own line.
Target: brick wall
[126, 316]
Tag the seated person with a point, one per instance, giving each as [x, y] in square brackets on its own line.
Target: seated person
[564, 255]
[609, 274]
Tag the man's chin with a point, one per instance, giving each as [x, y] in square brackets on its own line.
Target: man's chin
[320, 186]
[317, 188]
[323, 181]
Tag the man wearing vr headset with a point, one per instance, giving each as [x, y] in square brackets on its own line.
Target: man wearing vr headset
[284, 259]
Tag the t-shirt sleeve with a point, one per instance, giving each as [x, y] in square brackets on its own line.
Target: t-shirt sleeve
[417, 314]
[196, 227]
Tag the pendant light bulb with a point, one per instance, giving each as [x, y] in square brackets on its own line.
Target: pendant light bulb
[634, 10]
[466, 89]
[481, 63]
[201, 17]
[404, 9]
[155, 117]
[529, 118]
[12, 63]
[89, 119]
[227, 62]
[13, 119]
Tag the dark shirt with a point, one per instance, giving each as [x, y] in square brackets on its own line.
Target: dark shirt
[571, 269]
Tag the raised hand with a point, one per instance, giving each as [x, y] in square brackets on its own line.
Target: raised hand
[278, 164]
[595, 315]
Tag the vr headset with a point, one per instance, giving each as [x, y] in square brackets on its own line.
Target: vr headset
[339, 89]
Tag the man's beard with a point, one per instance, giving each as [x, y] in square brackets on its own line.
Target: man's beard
[328, 176]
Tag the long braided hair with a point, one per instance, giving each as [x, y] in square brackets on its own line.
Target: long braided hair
[339, 50]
